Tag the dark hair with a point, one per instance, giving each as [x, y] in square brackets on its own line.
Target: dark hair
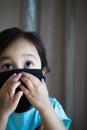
[10, 35]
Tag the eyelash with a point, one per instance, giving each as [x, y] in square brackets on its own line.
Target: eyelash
[29, 62]
[6, 65]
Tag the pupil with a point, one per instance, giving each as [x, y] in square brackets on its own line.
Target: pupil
[8, 66]
[28, 64]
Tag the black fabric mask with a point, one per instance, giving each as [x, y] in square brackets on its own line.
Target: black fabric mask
[24, 104]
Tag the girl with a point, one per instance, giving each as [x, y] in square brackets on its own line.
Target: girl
[21, 52]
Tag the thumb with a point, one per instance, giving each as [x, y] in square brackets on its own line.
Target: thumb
[17, 96]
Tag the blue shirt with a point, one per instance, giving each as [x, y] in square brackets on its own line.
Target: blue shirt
[31, 119]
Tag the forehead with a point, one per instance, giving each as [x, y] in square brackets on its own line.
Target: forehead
[20, 46]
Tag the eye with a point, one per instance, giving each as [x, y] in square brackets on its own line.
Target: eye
[28, 64]
[7, 67]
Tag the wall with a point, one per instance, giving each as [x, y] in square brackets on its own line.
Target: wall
[9, 13]
[52, 32]
[80, 86]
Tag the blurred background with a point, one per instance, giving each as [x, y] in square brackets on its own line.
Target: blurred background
[62, 25]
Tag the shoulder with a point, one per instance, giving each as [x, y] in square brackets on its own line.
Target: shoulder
[55, 103]
[58, 108]
[60, 112]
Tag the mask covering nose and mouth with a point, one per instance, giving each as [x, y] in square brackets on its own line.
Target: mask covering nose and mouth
[24, 104]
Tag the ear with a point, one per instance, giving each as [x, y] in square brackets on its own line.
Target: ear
[44, 70]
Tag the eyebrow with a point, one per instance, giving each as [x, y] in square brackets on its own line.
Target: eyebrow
[4, 58]
[8, 57]
[30, 55]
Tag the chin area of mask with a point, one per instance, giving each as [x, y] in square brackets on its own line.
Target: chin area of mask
[24, 104]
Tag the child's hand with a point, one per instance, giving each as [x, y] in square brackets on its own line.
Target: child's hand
[36, 91]
[40, 127]
[8, 98]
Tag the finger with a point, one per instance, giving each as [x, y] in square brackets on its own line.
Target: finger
[8, 80]
[35, 81]
[43, 81]
[28, 83]
[27, 93]
[25, 90]
[17, 97]
[12, 88]
[14, 78]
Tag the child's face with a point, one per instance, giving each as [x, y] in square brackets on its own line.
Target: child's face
[21, 54]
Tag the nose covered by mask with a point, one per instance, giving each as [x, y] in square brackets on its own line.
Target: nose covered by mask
[24, 104]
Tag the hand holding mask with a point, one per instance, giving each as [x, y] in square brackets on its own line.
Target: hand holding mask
[24, 104]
